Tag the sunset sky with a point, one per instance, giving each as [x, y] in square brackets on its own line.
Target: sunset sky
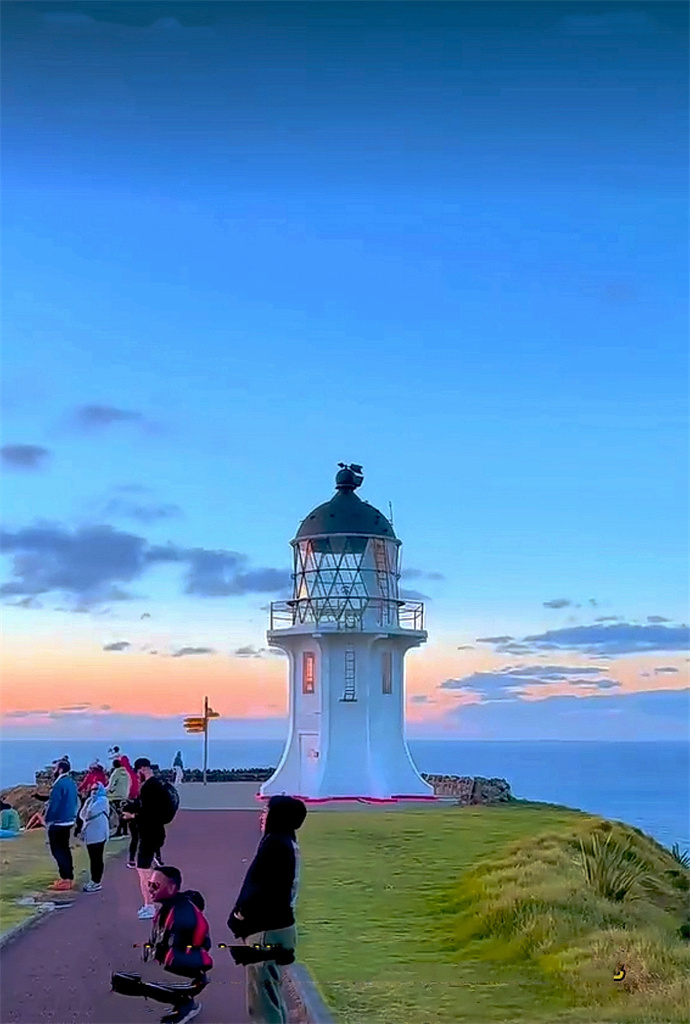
[244, 242]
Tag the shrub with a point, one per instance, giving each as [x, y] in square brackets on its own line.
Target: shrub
[613, 867]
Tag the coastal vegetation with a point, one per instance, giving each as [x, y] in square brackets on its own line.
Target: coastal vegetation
[521, 912]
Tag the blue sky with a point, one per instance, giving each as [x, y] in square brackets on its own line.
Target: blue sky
[448, 241]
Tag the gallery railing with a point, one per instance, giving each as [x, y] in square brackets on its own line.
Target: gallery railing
[342, 613]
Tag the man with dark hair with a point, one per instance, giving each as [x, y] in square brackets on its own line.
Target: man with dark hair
[59, 818]
[149, 813]
[264, 913]
[180, 942]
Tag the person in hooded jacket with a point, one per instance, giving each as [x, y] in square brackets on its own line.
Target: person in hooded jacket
[264, 913]
[95, 832]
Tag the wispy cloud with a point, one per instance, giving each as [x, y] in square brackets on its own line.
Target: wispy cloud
[558, 602]
[119, 645]
[599, 639]
[27, 457]
[185, 652]
[249, 652]
[421, 574]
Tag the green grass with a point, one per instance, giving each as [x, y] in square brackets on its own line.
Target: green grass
[485, 914]
[27, 867]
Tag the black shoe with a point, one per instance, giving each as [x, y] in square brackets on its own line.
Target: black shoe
[186, 1012]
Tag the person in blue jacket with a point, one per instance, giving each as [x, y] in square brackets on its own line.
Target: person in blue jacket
[59, 819]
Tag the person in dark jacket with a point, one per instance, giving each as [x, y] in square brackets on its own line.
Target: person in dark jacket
[264, 913]
[150, 802]
[180, 943]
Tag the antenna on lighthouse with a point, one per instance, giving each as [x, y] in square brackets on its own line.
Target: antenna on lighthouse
[390, 510]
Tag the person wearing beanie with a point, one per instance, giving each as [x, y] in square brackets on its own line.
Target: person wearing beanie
[264, 913]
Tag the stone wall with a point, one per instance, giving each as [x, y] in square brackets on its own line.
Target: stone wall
[468, 790]
[471, 790]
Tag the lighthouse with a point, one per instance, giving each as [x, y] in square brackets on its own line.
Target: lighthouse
[346, 632]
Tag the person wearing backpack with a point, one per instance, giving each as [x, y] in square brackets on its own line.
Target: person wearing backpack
[156, 807]
[180, 943]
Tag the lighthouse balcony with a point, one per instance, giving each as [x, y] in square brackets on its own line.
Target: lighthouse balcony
[347, 615]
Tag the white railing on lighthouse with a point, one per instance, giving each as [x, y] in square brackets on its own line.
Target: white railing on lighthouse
[351, 614]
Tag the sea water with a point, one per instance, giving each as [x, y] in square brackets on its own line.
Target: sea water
[646, 784]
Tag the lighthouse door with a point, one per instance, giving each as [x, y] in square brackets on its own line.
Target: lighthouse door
[308, 761]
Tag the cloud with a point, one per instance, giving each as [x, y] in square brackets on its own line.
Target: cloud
[224, 573]
[609, 618]
[623, 638]
[413, 595]
[420, 574]
[610, 23]
[152, 513]
[515, 683]
[249, 652]
[26, 602]
[184, 652]
[656, 619]
[420, 698]
[145, 615]
[659, 715]
[24, 456]
[89, 565]
[466, 647]
[73, 708]
[665, 670]
[494, 639]
[97, 417]
[119, 645]
[558, 602]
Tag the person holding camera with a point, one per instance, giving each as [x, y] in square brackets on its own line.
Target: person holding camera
[264, 913]
[180, 943]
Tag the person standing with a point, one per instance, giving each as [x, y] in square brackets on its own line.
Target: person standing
[59, 818]
[118, 792]
[178, 768]
[150, 813]
[96, 830]
[96, 773]
[264, 913]
[131, 805]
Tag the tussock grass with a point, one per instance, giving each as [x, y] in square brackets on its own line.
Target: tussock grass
[580, 904]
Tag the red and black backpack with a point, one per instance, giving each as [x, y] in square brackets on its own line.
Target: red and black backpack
[195, 959]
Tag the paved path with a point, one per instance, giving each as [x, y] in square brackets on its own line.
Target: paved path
[59, 971]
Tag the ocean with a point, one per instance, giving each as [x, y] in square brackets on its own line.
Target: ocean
[643, 784]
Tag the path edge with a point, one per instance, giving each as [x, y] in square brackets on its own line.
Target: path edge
[313, 1009]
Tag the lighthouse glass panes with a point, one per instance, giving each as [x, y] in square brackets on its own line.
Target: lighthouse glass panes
[308, 672]
[338, 578]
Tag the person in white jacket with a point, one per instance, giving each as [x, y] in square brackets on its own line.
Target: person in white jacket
[95, 833]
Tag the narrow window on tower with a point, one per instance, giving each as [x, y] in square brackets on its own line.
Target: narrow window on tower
[387, 672]
[308, 672]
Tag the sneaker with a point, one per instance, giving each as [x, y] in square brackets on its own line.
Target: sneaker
[62, 885]
[131, 864]
[146, 912]
[92, 887]
[186, 1012]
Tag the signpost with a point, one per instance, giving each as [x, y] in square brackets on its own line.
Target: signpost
[200, 724]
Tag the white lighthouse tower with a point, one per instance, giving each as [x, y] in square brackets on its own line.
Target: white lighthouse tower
[346, 632]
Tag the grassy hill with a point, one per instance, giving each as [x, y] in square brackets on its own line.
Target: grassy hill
[520, 913]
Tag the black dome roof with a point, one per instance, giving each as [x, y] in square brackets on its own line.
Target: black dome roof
[346, 513]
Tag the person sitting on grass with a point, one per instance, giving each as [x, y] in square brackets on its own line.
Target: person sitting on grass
[95, 833]
[10, 822]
